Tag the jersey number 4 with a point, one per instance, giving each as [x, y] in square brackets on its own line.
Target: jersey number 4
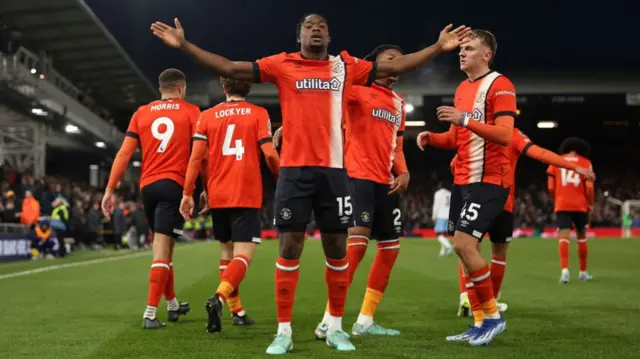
[569, 177]
[163, 137]
[227, 150]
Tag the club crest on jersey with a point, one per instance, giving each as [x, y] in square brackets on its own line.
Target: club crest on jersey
[451, 226]
[481, 97]
[476, 115]
[285, 213]
[386, 115]
[319, 84]
[366, 217]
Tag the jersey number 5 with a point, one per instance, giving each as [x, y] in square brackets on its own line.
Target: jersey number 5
[569, 177]
[163, 137]
[227, 150]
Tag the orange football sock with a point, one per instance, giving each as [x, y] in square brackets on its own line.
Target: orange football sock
[337, 279]
[474, 302]
[498, 265]
[379, 275]
[481, 279]
[287, 276]
[563, 251]
[169, 291]
[233, 275]
[462, 283]
[583, 252]
[233, 301]
[157, 281]
[356, 249]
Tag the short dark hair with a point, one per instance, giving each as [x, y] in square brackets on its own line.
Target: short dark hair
[488, 39]
[380, 49]
[577, 145]
[235, 87]
[303, 19]
[171, 78]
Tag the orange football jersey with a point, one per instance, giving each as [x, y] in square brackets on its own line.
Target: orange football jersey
[313, 97]
[570, 187]
[376, 118]
[164, 129]
[234, 131]
[484, 100]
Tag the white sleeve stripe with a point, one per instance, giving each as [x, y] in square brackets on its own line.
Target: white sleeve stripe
[222, 267]
[200, 136]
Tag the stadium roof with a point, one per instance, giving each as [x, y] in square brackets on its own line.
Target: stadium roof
[81, 49]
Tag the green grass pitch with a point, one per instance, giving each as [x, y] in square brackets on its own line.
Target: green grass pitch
[95, 310]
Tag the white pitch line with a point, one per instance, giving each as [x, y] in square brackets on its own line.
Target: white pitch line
[74, 264]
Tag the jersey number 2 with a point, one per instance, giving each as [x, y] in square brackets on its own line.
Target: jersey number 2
[165, 136]
[569, 177]
[227, 150]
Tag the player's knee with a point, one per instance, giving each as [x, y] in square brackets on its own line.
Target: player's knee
[244, 249]
[162, 247]
[463, 244]
[291, 244]
[334, 245]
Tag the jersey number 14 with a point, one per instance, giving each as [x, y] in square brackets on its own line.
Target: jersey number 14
[227, 150]
[569, 177]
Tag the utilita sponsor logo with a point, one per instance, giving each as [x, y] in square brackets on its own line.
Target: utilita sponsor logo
[318, 84]
[386, 115]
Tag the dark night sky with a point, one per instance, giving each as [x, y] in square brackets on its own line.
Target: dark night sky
[531, 34]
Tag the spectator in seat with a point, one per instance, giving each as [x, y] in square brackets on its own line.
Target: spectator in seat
[10, 213]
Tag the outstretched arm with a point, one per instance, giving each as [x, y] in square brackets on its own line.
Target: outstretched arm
[449, 40]
[500, 133]
[446, 140]
[174, 37]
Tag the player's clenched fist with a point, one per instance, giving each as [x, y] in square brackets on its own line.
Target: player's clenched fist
[173, 37]
[451, 115]
[423, 139]
[587, 173]
[186, 207]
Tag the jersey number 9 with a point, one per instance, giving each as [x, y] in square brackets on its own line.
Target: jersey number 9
[163, 137]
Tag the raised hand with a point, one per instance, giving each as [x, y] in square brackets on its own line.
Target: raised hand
[450, 114]
[451, 40]
[587, 173]
[173, 37]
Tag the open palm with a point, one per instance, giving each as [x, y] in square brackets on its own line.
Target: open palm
[173, 37]
[450, 40]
